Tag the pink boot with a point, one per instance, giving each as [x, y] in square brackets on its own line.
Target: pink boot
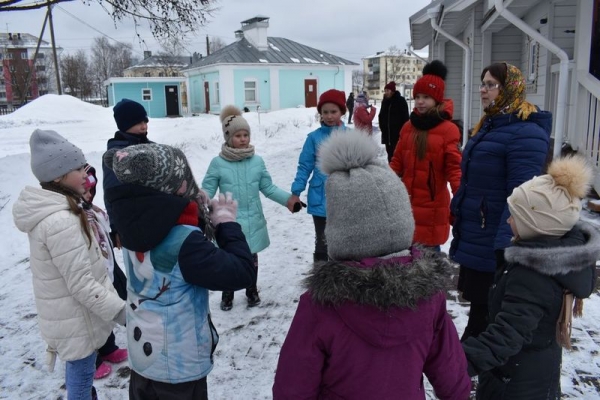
[102, 371]
[116, 356]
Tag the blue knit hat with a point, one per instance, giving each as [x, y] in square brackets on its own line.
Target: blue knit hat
[128, 113]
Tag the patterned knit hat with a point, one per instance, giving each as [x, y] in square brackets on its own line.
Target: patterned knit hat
[361, 99]
[549, 205]
[232, 120]
[128, 113]
[157, 166]
[53, 156]
[91, 181]
[368, 208]
[336, 97]
[432, 81]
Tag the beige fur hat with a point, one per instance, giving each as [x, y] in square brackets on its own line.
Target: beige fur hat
[232, 120]
[549, 205]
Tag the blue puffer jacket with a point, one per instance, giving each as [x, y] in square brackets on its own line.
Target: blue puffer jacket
[504, 153]
[246, 179]
[307, 164]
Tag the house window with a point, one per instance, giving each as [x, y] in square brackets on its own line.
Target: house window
[9, 56]
[11, 68]
[2, 95]
[250, 91]
[161, 74]
[40, 55]
[595, 45]
[26, 68]
[24, 55]
[40, 68]
[217, 97]
[147, 94]
[146, 74]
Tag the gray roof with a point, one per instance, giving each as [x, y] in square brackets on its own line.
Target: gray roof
[25, 40]
[281, 51]
[163, 60]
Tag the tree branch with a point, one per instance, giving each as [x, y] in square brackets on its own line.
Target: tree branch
[8, 5]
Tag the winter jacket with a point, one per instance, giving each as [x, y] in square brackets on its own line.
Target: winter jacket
[246, 179]
[393, 114]
[427, 180]
[170, 335]
[307, 165]
[370, 329]
[109, 180]
[506, 152]
[75, 299]
[517, 357]
[363, 119]
[350, 102]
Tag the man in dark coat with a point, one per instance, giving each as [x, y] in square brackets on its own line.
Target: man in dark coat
[350, 107]
[393, 114]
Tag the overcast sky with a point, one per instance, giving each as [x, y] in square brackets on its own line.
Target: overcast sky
[351, 29]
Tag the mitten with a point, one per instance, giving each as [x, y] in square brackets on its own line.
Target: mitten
[224, 209]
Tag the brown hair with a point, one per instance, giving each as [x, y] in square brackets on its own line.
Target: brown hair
[498, 70]
[73, 199]
[420, 135]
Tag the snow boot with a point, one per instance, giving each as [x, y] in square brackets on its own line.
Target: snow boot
[102, 371]
[227, 301]
[117, 356]
[252, 295]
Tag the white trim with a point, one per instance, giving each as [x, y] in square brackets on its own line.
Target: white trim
[274, 88]
[256, 95]
[143, 94]
[146, 79]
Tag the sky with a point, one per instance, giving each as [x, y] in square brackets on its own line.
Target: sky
[250, 338]
[351, 29]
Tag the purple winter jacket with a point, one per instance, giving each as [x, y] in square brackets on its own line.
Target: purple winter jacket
[370, 329]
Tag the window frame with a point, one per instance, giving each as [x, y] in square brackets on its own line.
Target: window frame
[255, 90]
[146, 94]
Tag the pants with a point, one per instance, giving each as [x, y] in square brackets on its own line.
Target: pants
[478, 320]
[350, 110]
[389, 148]
[141, 388]
[253, 287]
[79, 377]
[320, 242]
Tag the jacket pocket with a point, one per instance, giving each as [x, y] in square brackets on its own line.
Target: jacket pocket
[431, 181]
[214, 337]
[483, 210]
[316, 191]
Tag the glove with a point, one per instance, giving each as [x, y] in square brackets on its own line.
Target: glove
[121, 317]
[298, 206]
[224, 209]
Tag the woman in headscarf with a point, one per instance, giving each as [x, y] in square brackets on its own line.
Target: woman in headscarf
[507, 147]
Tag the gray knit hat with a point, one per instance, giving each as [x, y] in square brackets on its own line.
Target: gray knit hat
[368, 209]
[53, 156]
[232, 120]
[157, 166]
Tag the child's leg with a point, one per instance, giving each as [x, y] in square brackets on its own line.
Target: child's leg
[141, 388]
[320, 243]
[252, 291]
[79, 377]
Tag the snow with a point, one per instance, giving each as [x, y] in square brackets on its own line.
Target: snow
[295, 60]
[271, 45]
[250, 339]
[262, 60]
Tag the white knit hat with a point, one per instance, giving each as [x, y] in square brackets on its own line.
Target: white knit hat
[232, 120]
[549, 205]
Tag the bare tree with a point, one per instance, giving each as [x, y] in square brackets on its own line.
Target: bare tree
[170, 58]
[108, 60]
[166, 18]
[18, 74]
[216, 43]
[358, 80]
[75, 75]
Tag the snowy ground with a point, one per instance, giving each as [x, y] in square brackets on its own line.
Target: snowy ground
[250, 338]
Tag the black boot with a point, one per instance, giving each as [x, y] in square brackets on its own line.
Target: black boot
[317, 257]
[227, 301]
[252, 295]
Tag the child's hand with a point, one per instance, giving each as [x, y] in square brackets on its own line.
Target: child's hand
[224, 209]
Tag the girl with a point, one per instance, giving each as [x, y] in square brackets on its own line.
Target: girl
[331, 108]
[363, 119]
[551, 260]
[239, 171]
[76, 303]
[100, 226]
[427, 157]
[373, 319]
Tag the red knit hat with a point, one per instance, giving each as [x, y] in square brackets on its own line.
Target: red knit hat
[432, 81]
[391, 85]
[337, 97]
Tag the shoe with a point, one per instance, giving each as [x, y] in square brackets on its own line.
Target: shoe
[252, 295]
[227, 301]
[117, 356]
[102, 371]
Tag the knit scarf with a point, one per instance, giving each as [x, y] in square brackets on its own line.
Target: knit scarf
[429, 120]
[511, 99]
[233, 154]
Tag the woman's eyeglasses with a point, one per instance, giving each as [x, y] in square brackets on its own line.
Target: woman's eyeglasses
[489, 86]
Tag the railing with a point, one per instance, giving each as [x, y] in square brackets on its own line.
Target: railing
[586, 135]
[6, 111]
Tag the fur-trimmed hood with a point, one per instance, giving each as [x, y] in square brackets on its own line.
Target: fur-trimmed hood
[401, 280]
[562, 258]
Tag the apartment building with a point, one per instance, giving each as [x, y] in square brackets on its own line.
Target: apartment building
[391, 65]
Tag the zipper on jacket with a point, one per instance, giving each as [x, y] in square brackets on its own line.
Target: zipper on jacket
[483, 211]
[431, 181]
[214, 337]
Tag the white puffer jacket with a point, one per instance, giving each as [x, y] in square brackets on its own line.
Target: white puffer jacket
[74, 296]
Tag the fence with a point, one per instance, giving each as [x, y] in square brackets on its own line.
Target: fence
[7, 110]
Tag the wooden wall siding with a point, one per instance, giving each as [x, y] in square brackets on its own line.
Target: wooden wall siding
[507, 46]
[454, 56]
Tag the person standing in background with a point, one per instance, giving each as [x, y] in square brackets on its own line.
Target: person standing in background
[350, 107]
[363, 119]
[392, 116]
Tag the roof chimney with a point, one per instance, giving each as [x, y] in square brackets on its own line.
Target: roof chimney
[18, 36]
[9, 36]
[239, 34]
[147, 54]
[255, 30]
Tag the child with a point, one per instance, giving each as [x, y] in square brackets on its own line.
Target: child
[374, 317]
[331, 108]
[100, 226]
[132, 121]
[76, 303]
[552, 259]
[363, 119]
[170, 267]
[427, 157]
[239, 171]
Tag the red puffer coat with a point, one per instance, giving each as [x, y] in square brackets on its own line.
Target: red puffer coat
[427, 180]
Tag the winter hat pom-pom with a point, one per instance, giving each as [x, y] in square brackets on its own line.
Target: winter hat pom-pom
[346, 150]
[573, 173]
[437, 68]
[229, 111]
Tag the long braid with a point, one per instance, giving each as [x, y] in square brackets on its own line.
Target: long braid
[74, 200]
